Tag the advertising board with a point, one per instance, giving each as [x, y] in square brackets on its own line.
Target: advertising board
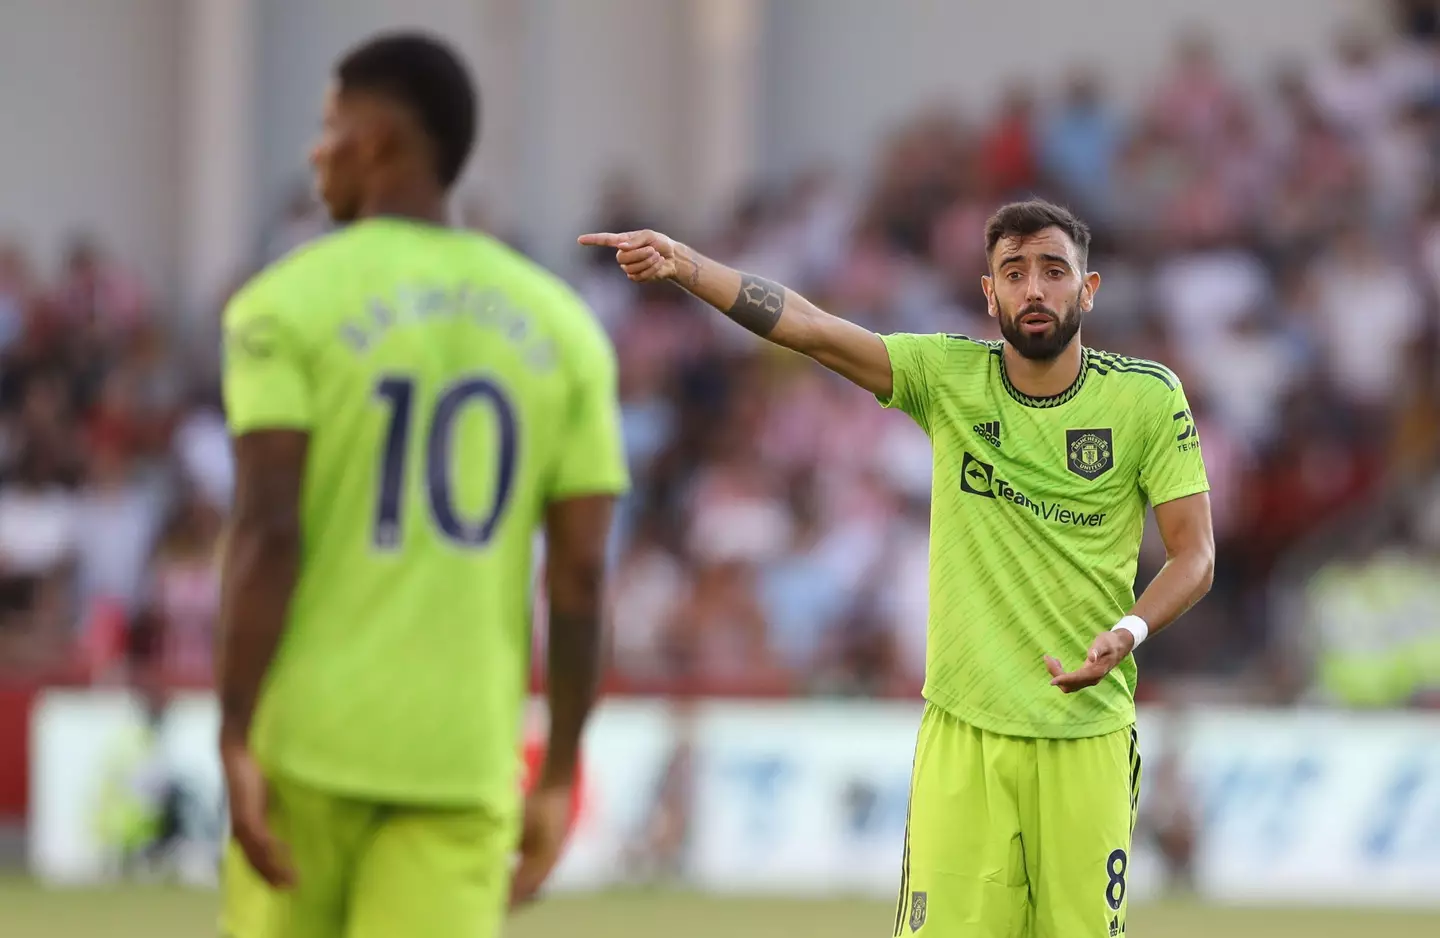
[808, 798]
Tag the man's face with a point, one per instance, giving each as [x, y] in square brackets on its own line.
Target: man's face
[1039, 292]
[338, 157]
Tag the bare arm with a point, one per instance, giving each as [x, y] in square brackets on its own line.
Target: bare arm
[1189, 561]
[262, 559]
[768, 309]
[576, 531]
[1185, 578]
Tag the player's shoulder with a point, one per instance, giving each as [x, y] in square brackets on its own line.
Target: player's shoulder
[946, 345]
[1129, 375]
[305, 265]
[543, 294]
[533, 283]
[551, 302]
[957, 343]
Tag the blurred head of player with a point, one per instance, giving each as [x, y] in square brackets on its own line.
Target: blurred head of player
[399, 123]
[1038, 288]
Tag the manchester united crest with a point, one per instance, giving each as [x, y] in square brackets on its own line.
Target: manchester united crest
[1089, 453]
[917, 910]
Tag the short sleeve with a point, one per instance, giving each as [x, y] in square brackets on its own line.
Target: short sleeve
[1172, 466]
[591, 457]
[913, 360]
[265, 383]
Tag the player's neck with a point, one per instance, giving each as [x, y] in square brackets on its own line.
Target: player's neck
[417, 204]
[1043, 379]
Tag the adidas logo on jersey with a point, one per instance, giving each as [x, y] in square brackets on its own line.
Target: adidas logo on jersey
[990, 430]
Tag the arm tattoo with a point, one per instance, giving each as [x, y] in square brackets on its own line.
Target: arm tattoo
[693, 260]
[759, 305]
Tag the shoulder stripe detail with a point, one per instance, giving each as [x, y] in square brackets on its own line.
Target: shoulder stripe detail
[1118, 359]
[1165, 377]
[992, 346]
[1119, 363]
[1106, 368]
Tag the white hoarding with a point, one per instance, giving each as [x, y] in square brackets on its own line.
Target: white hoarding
[102, 775]
[810, 797]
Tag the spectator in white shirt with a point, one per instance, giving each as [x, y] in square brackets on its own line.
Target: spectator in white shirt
[1369, 311]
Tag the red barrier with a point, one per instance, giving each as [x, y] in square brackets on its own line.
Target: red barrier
[14, 750]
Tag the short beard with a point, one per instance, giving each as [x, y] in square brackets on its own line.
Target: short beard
[1043, 346]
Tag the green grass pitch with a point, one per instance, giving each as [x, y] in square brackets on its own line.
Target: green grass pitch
[27, 911]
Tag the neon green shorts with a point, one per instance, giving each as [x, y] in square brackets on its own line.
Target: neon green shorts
[365, 870]
[1017, 838]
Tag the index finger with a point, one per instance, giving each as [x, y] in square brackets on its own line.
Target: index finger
[602, 239]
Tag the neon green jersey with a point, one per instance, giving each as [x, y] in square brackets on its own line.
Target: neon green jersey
[1036, 516]
[450, 389]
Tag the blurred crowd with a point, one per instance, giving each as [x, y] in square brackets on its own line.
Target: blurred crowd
[114, 475]
[1277, 246]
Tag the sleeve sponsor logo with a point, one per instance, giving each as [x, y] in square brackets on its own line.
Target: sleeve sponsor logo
[1187, 438]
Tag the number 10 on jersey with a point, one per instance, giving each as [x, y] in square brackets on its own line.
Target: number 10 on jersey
[397, 394]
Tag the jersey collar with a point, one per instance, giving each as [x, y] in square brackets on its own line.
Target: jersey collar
[1054, 400]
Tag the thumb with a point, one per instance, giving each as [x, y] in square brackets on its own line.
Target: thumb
[1055, 667]
[267, 853]
[275, 856]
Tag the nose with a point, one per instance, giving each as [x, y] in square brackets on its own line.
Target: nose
[1034, 289]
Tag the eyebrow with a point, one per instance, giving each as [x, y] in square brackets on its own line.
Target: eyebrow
[1052, 258]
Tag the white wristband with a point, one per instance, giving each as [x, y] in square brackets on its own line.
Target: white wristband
[1135, 626]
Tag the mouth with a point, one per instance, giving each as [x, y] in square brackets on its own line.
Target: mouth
[1033, 323]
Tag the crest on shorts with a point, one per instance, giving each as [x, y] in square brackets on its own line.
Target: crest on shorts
[917, 910]
[1089, 453]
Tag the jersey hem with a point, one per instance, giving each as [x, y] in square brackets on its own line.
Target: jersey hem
[584, 491]
[394, 794]
[1170, 495]
[1002, 727]
[261, 424]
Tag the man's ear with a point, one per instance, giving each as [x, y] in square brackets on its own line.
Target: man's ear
[1089, 287]
[987, 285]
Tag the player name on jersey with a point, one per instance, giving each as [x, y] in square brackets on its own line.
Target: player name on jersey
[487, 307]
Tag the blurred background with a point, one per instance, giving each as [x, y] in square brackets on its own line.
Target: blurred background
[1264, 184]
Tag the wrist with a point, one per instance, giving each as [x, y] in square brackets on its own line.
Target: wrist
[686, 266]
[556, 773]
[233, 746]
[1138, 628]
[234, 731]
